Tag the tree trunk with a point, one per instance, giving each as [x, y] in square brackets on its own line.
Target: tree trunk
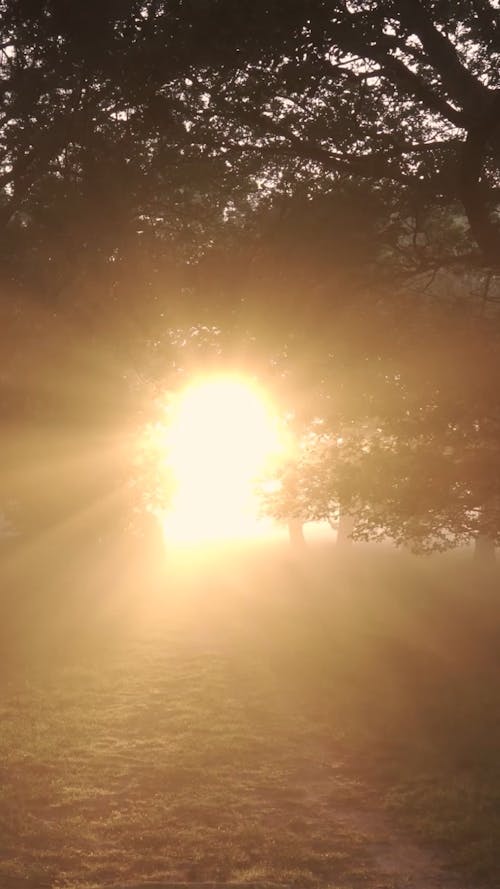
[296, 534]
[344, 529]
[484, 550]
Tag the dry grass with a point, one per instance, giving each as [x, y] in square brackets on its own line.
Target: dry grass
[220, 729]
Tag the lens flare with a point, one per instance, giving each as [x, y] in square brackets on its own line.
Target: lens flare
[222, 434]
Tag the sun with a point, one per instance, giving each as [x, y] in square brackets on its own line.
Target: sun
[221, 435]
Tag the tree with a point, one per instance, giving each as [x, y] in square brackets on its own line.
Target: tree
[403, 95]
[414, 457]
[403, 98]
[348, 151]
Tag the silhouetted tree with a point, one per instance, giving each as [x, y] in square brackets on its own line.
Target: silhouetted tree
[274, 174]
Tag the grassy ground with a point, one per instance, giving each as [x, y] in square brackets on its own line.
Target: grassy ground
[234, 723]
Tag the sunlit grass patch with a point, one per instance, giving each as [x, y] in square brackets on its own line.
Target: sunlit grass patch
[235, 737]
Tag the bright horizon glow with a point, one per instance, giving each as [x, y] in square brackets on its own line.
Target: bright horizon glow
[221, 435]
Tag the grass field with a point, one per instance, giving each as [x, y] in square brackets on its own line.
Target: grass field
[324, 723]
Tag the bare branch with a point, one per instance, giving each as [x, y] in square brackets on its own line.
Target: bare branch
[380, 50]
[456, 78]
[419, 89]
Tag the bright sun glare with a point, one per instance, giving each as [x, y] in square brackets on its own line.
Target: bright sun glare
[221, 435]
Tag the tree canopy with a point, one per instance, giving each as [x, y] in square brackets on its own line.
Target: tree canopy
[317, 182]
